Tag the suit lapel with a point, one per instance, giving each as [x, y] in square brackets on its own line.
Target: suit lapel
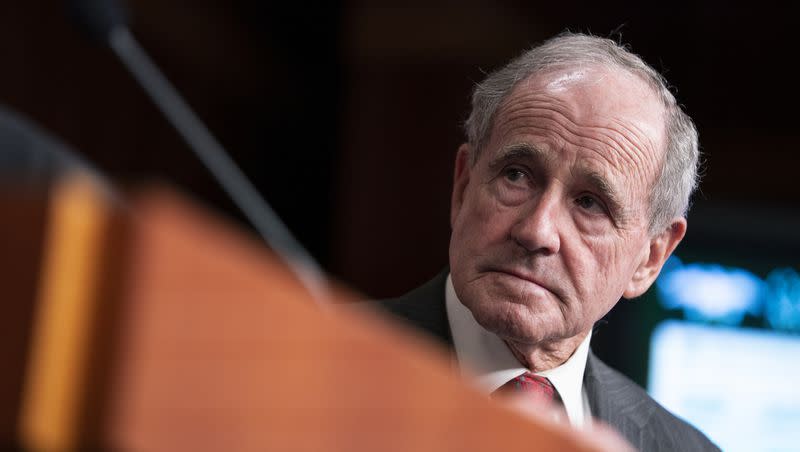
[424, 308]
[616, 401]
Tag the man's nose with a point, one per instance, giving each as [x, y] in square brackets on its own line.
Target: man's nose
[537, 229]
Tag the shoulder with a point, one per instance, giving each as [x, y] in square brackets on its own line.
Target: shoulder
[422, 308]
[622, 403]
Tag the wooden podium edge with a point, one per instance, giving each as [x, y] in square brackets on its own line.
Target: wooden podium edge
[69, 349]
[65, 396]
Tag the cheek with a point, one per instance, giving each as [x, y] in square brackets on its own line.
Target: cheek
[617, 264]
[482, 219]
[600, 268]
[480, 230]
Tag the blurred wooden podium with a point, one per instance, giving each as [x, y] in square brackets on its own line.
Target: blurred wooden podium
[157, 327]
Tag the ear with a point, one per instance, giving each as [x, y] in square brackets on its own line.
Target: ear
[463, 165]
[660, 248]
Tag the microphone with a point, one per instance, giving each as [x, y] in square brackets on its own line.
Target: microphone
[107, 22]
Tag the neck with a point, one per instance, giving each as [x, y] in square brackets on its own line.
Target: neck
[547, 355]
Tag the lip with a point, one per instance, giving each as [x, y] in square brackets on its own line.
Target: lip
[519, 275]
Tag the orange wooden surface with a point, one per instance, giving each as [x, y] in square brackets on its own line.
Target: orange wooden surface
[222, 351]
[68, 355]
[172, 330]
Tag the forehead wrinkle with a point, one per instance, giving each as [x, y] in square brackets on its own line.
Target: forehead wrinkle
[521, 102]
[529, 91]
[651, 159]
[626, 149]
[524, 106]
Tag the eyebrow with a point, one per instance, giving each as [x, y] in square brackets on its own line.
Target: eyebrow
[514, 152]
[599, 183]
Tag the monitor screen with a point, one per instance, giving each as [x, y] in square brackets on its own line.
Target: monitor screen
[738, 385]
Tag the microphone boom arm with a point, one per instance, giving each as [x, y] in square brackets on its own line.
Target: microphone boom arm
[217, 161]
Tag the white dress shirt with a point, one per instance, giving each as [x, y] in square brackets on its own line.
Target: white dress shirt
[487, 360]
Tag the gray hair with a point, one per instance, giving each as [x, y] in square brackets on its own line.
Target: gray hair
[670, 194]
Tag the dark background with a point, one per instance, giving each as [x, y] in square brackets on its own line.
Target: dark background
[346, 115]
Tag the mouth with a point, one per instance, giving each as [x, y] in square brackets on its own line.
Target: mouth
[518, 274]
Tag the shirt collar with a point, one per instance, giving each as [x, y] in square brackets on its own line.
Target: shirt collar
[484, 356]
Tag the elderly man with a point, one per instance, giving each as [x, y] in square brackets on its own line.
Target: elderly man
[570, 193]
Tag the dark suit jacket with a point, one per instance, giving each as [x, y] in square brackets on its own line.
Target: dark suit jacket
[613, 398]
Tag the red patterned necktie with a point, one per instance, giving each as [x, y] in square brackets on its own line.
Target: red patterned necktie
[529, 383]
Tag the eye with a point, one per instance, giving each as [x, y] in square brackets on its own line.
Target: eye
[514, 175]
[589, 203]
[512, 185]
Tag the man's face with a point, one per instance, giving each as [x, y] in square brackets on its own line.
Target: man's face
[550, 224]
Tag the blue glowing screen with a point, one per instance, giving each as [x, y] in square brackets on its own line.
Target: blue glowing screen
[719, 294]
[737, 385]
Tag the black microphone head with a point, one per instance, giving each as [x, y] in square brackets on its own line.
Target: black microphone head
[98, 17]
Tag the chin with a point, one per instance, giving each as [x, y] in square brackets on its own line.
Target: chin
[511, 321]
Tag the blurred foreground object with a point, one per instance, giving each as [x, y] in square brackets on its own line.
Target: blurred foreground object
[159, 327]
[30, 161]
